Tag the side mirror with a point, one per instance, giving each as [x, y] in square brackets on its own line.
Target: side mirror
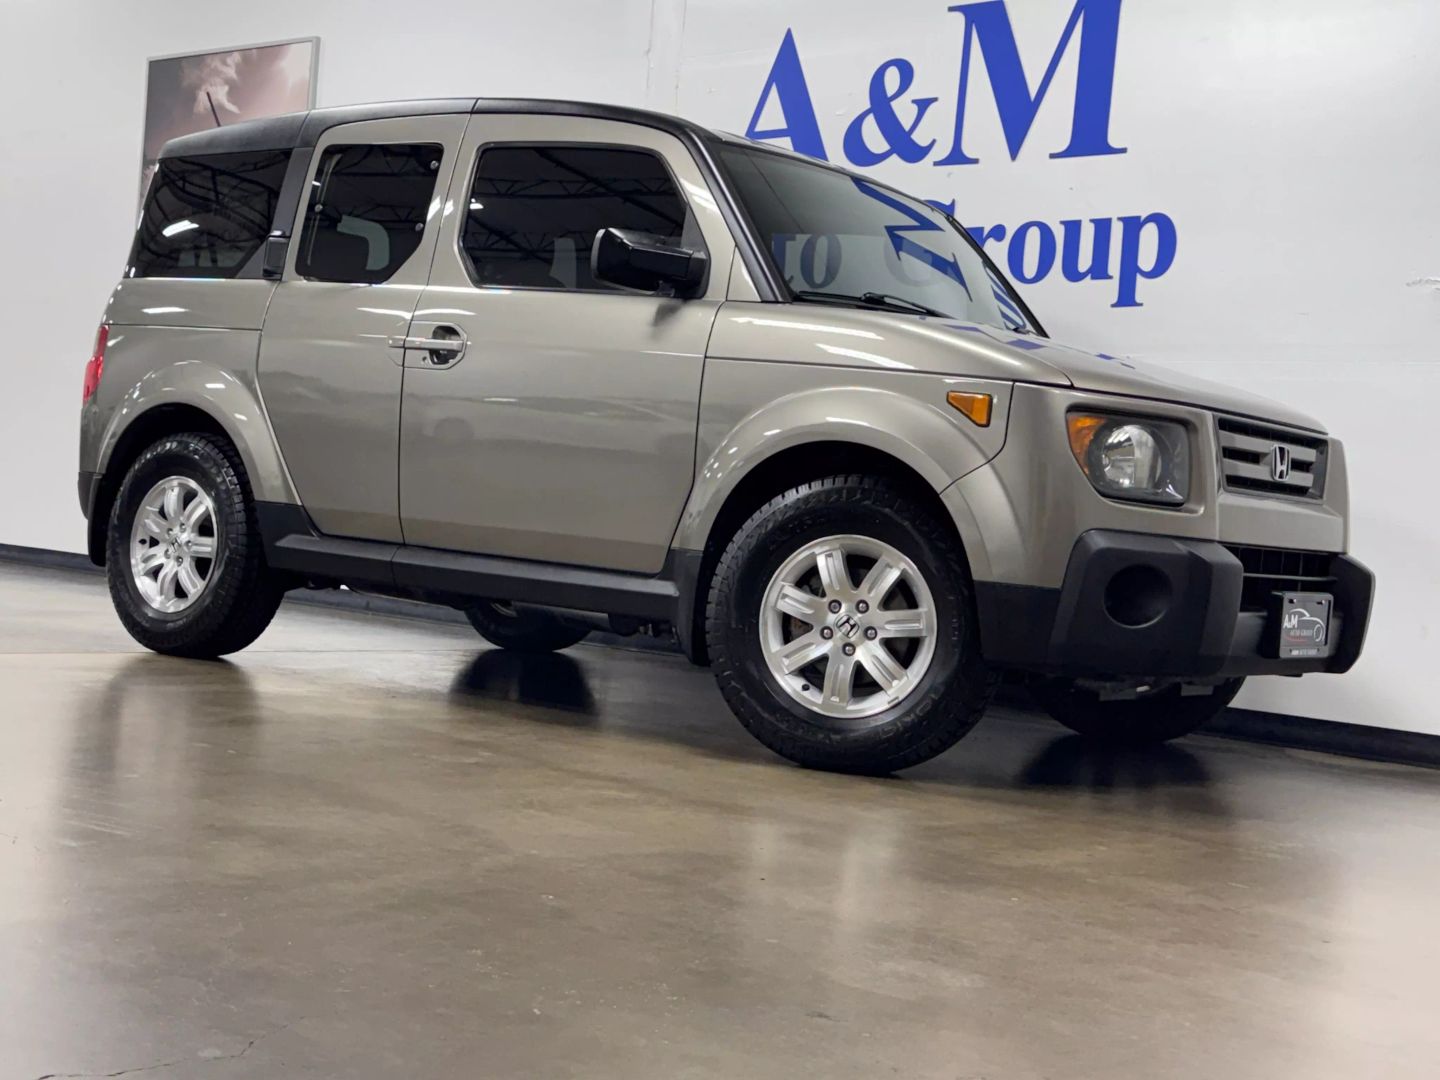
[636, 260]
[272, 261]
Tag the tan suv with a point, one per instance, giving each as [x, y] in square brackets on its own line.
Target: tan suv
[566, 366]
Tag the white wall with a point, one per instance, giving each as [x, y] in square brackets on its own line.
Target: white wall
[1291, 143]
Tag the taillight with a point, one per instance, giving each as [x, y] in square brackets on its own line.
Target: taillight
[96, 367]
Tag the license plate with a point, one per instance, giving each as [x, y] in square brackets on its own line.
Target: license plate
[1304, 625]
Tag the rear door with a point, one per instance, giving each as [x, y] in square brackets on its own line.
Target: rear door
[353, 275]
[565, 430]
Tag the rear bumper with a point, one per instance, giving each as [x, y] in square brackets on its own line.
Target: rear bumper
[1184, 607]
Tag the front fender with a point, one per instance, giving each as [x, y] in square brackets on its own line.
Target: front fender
[215, 374]
[752, 411]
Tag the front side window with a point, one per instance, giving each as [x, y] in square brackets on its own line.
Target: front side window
[367, 211]
[534, 211]
[840, 238]
[206, 217]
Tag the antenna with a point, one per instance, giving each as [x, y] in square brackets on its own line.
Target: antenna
[213, 111]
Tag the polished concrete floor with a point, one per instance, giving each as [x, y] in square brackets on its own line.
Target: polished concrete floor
[373, 848]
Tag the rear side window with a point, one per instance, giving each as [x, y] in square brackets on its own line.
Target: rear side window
[534, 211]
[207, 216]
[367, 211]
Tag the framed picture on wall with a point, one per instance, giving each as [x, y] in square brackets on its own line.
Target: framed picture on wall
[194, 91]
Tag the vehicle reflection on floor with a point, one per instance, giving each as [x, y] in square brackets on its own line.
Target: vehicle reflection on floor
[377, 847]
[552, 681]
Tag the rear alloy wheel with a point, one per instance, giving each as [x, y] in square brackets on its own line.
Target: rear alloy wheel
[1152, 717]
[173, 544]
[184, 558]
[841, 628]
[523, 629]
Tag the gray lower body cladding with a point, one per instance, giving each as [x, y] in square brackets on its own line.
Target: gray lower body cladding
[1131, 605]
[89, 485]
[293, 545]
[1134, 605]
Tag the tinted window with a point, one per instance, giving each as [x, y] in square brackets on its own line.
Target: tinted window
[206, 216]
[844, 236]
[534, 211]
[367, 211]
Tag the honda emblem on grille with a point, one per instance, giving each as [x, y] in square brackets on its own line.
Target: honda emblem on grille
[1280, 463]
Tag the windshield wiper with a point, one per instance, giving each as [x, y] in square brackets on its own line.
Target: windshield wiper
[871, 299]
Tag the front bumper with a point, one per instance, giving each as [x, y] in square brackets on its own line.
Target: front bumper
[1134, 605]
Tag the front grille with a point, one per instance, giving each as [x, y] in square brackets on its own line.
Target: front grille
[1269, 570]
[1260, 459]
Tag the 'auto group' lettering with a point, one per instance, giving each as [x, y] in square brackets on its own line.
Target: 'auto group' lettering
[1126, 249]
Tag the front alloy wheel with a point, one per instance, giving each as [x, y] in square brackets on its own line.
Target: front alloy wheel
[841, 627]
[842, 649]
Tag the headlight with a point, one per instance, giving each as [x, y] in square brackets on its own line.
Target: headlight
[1132, 457]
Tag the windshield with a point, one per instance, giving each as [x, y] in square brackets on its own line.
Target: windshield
[855, 241]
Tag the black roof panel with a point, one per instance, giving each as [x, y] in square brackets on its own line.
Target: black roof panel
[319, 121]
[305, 129]
[271, 133]
[593, 110]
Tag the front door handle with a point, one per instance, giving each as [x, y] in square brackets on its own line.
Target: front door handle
[443, 348]
[429, 344]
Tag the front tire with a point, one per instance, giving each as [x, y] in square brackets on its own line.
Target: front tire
[1146, 720]
[523, 629]
[184, 559]
[841, 628]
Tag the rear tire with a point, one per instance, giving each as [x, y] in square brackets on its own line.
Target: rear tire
[184, 559]
[523, 630]
[1153, 718]
[772, 606]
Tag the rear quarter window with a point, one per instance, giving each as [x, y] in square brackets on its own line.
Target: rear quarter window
[206, 217]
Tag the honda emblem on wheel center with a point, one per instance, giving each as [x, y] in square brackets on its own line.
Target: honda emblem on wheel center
[847, 625]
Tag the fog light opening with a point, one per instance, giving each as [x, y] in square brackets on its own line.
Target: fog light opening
[1137, 596]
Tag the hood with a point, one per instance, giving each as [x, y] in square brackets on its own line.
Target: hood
[884, 340]
[1105, 374]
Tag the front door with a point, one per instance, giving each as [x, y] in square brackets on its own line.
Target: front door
[354, 273]
[547, 415]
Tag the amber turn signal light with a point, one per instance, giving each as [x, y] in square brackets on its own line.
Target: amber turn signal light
[976, 407]
[1082, 428]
